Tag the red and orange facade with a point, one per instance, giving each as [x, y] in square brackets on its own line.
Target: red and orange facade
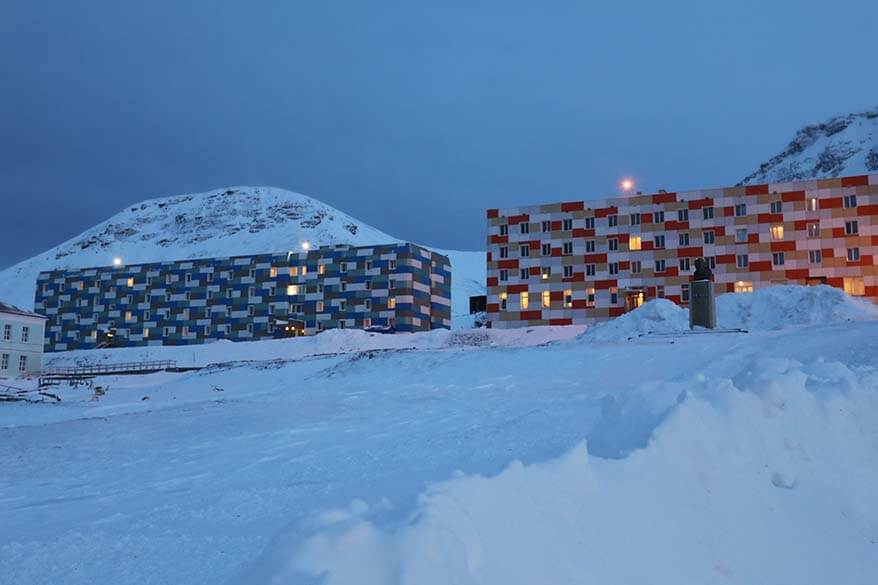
[578, 262]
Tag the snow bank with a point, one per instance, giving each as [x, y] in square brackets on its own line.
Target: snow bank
[770, 308]
[739, 484]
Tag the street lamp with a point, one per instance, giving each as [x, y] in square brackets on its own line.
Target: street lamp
[627, 184]
[117, 262]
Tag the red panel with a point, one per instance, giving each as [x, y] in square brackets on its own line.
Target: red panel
[664, 198]
[531, 315]
[557, 251]
[791, 196]
[492, 213]
[577, 277]
[838, 232]
[699, 203]
[573, 206]
[645, 218]
[617, 311]
[866, 260]
[757, 190]
[867, 210]
[567, 321]
[801, 225]
[492, 281]
[672, 271]
[730, 287]
[580, 304]
[623, 238]
[605, 284]
[692, 252]
[872, 291]
[499, 239]
[650, 292]
[534, 270]
[647, 245]
[798, 274]
[827, 253]
[728, 211]
[511, 263]
[831, 203]
[624, 265]
[760, 266]
[489, 256]
[752, 238]
[837, 282]
[595, 258]
[676, 225]
[582, 233]
[858, 181]
[556, 295]
[515, 219]
[783, 246]
[534, 244]
[720, 230]
[492, 307]
[769, 218]
[516, 288]
[875, 240]
[556, 225]
[725, 259]
[605, 211]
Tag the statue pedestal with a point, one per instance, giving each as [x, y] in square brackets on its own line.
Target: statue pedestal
[702, 305]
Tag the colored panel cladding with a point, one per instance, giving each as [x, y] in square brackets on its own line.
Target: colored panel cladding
[605, 211]
[752, 238]
[872, 291]
[556, 225]
[831, 203]
[623, 238]
[580, 304]
[534, 270]
[676, 225]
[719, 230]
[659, 198]
[692, 252]
[492, 281]
[624, 265]
[577, 277]
[516, 288]
[647, 245]
[797, 274]
[725, 259]
[769, 218]
[838, 232]
[646, 218]
[792, 196]
[583, 233]
[516, 219]
[557, 252]
[492, 307]
[875, 240]
[672, 271]
[617, 311]
[859, 181]
[760, 266]
[566, 321]
[510, 263]
[495, 239]
[556, 295]
[573, 206]
[864, 210]
[531, 315]
[492, 213]
[699, 203]
[801, 225]
[757, 190]
[783, 246]
[595, 258]
[534, 244]
[605, 284]
[728, 211]
[827, 253]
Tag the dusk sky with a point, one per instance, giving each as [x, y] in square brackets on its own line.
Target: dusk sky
[411, 116]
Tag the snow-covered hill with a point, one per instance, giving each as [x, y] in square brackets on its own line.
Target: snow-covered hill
[223, 222]
[844, 145]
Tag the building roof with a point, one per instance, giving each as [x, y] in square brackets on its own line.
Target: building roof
[13, 310]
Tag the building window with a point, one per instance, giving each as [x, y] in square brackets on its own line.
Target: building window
[635, 243]
[589, 223]
[367, 322]
[709, 237]
[523, 300]
[546, 272]
[740, 209]
[613, 268]
[504, 230]
[742, 261]
[25, 334]
[391, 303]
[707, 212]
[298, 308]
[7, 332]
[547, 299]
[855, 286]
[4, 361]
[392, 265]
[367, 304]
[166, 331]
[812, 204]
[547, 226]
[251, 310]
[504, 252]
[547, 249]
[684, 293]
[145, 332]
[711, 262]
[343, 286]
[568, 298]
[503, 301]
[659, 242]
[343, 267]
[635, 219]
[146, 315]
[130, 282]
[292, 289]
[589, 269]
[589, 298]
[612, 220]
[568, 248]
[524, 228]
[272, 272]
[660, 266]
[568, 272]
[504, 274]
[741, 235]
[683, 239]
[210, 277]
[128, 316]
[318, 307]
[777, 232]
[659, 217]
[685, 265]
[524, 251]
[682, 215]
[815, 256]
[814, 230]
[566, 225]
[851, 228]
[342, 306]
[589, 246]
[660, 292]
[22, 363]
[776, 207]
[523, 274]
[185, 330]
[613, 244]
[850, 201]
[853, 254]
[614, 295]
[636, 266]
[778, 258]
[743, 286]
[294, 271]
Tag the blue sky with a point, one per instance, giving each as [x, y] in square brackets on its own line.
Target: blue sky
[412, 116]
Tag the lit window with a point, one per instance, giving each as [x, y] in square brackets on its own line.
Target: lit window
[294, 271]
[391, 303]
[589, 298]
[635, 242]
[185, 330]
[523, 300]
[304, 270]
[546, 272]
[272, 272]
[743, 286]
[855, 286]
[777, 232]
[321, 268]
[130, 282]
[853, 254]
[568, 298]
[812, 204]
[293, 289]
[145, 332]
[318, 308]
[547, 299]
[367, 322]
[503, 300]
[814, 230]
[128, 315]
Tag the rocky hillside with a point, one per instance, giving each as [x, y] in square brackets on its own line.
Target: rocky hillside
[844, 145]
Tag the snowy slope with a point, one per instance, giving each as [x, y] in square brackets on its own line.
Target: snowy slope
[223, 222]
[844, 145]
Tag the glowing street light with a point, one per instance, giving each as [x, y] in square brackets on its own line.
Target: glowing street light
[627, 184]
[306, 245]
[117, 261]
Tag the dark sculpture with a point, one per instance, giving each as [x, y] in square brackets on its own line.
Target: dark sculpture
[702, 270]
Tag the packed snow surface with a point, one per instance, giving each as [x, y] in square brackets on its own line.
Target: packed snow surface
[530, 456]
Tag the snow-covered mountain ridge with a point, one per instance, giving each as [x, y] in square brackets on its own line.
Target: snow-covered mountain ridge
[223, 222]
[843, 145]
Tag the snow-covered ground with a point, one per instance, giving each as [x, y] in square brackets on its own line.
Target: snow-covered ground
[465, 458]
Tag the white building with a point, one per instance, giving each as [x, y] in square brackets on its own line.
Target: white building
[21, 342]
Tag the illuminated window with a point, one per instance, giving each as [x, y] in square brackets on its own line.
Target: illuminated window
[546, 273]
[743, 286]
[293, 289]
[304, 270]
[568, 298]
[294, 271]
[321, 268]
[855, 286]
[146, 332]
[128, 315]
[367, 322]
[634, 243]
[589, 298]
[812, 204]
[777, 232]
[547, 299]
[814, 230]
[130, 282]
[391, 303]
[523, 300]
[318, 307]
[614, 295]
[503, 300]
[272, 272]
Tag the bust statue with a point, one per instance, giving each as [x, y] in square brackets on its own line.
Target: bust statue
[702, 270]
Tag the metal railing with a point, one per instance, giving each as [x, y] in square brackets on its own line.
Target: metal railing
[102, 369]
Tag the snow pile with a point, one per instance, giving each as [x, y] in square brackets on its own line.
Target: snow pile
[782, 306]
[765, 477]
[656, 316]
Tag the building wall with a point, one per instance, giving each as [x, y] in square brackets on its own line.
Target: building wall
[21, 336]
[596, 243]
[243, 297]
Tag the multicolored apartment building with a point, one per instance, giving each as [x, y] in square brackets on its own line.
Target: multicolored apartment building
[400, 286]
[578, 262]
